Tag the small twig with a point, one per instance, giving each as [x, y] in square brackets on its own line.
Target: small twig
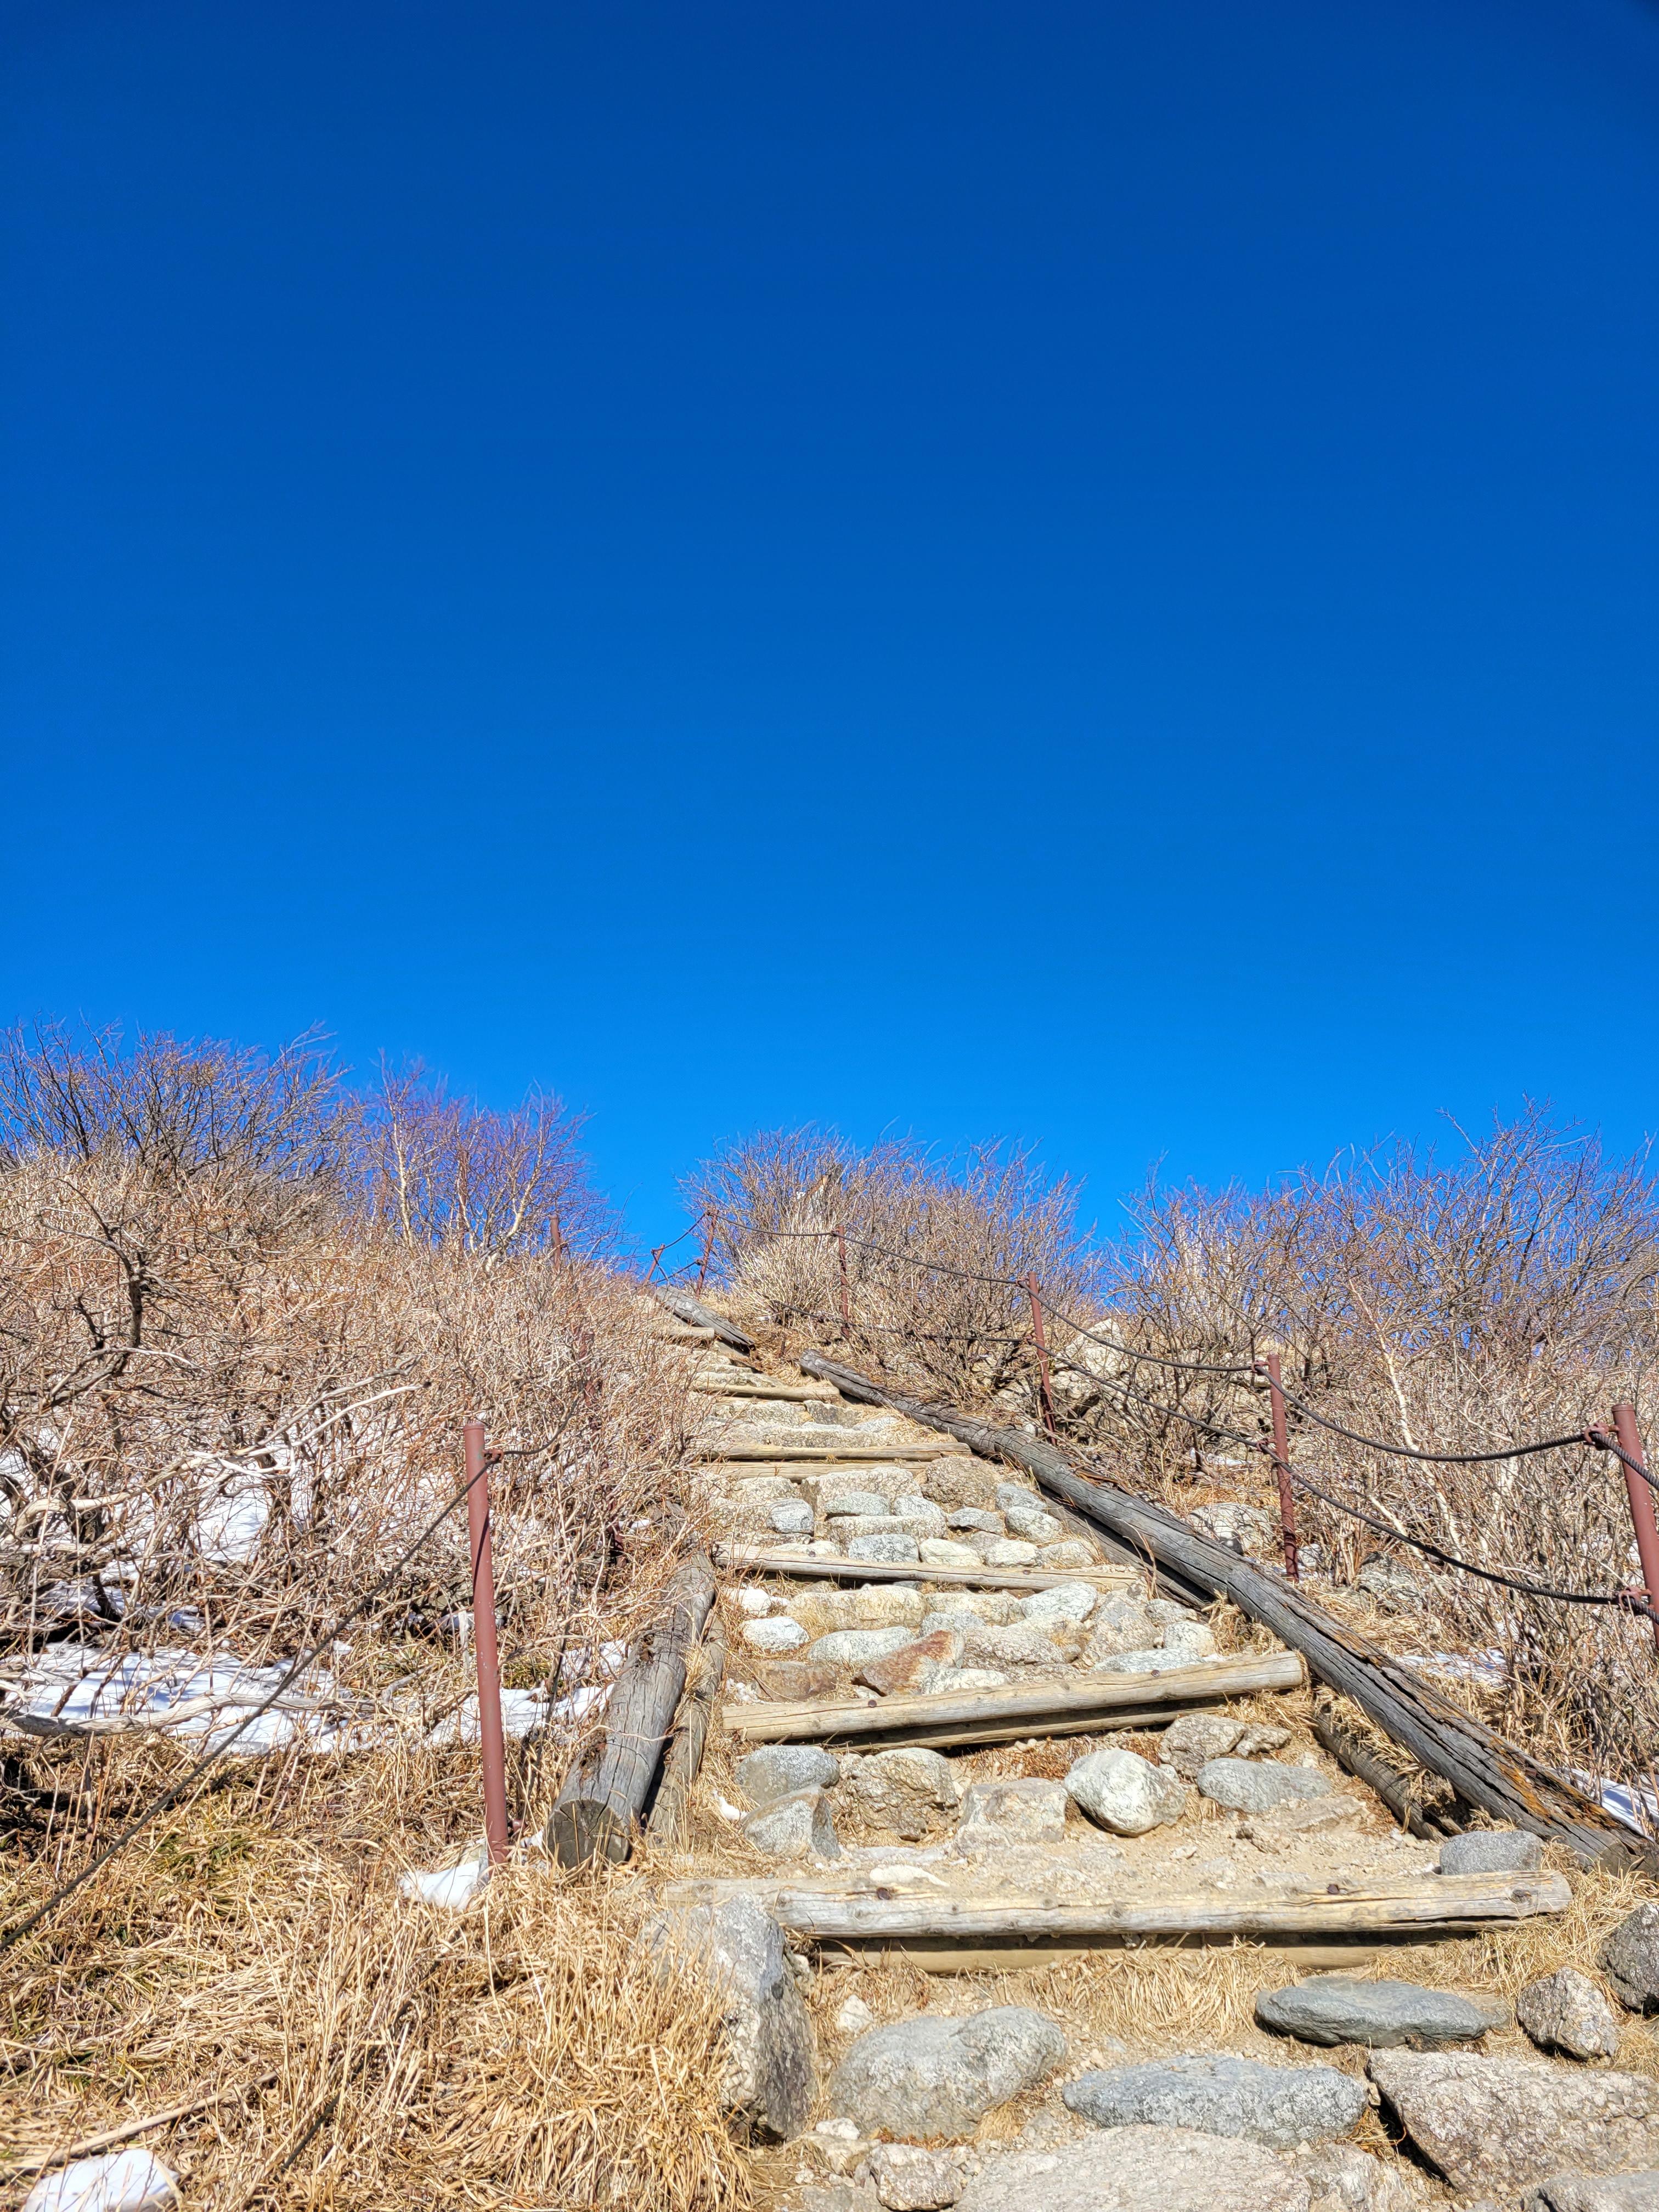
[111, 2136]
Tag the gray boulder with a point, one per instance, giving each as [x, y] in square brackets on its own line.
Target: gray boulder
[794, 1827]
[1161, 1660]
[1020, 1495]
[1332, 2008]
[768, 2060]
[898, 1550]
[1595, 2192]
[792, 1516]
[1192, 1738]
[976, 1517]
[1252, 1786]
[860, 1505]
[775, 1633]
[1497, 2125]
[1139, 2170]
[1125, 1793]
[778, 1770]
[1045, 1644]
[923, 2079]
[1035, 1526]
[1630, 1960]
[1281, 2105]
[857, 1647]
[908, 2178]
[1072, 1602]
[1344, 2178]
[901, 1790]
[1565, 2011]
[1121, 1623]
[1026, 1810]
[1492, 1851]
[1189, 1639]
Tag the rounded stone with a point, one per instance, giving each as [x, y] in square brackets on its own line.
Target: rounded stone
[778, 1770]
[1072, 1602]
[931, 2079]
[1124, 1792]
[1492, 1850]
[792, 1516]
[856, 1647]
[777, 1632]
[1281, 2105]
[899, 1550]
[1332, 2008]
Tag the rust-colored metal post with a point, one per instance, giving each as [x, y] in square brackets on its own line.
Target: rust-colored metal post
[657, 1251]
[845, 1307]
[1641, 1503]
[1282, 1465]
[1042, 1357]
[491, 1744]
[708, 1246]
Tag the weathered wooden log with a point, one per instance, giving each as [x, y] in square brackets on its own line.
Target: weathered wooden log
[695, 1314]
[605, 1792]
[1392, 1788]
[798, 1566]
[1425, 1903]
[789, 1455]
[1052, 1708]
[667, 1823]
[1502, 1779]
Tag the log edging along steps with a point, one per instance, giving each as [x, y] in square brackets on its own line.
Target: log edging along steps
[1502, 1779]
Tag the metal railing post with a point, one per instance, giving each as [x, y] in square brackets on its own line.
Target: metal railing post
[1641, 1503]
[1042, 1357]
[1282, 1467]
[492, 1743]
[707, 1246]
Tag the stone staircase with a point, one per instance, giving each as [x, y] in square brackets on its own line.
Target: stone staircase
[934, 2000]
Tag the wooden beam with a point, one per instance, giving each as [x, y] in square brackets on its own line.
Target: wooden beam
[812, 1455]
[685, 1308]
[1423, 1903]
[1502, 1778]
[605, 1789]
[798, 1566]
[666, 1824]
[1084, 1703]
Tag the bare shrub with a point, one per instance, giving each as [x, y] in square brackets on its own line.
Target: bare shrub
[923, 1233]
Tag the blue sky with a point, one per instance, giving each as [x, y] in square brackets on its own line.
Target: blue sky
[1079, 572]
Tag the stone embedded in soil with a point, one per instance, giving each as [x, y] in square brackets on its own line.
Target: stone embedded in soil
[1192, 1739]
[975, 1517]
[1139, 2170]
[792, 1518]
[1070, 1551]
[1565, 2011]
[1300, 1816]
[1593, 2192]
[939, 1552]
[872, 1605]
[1630, 1959]
[860, 1505]
[777, 1632]
[1072, 1602]
[922, 2080]
[757, 1602]
[858, 1647]
[794, 1827]
[1007, 1552]
[854, 2016]
[1124, 1792]
[908, 2178]
[1492, 1851]
[1332, 2008]
[1046, 1643]
[898, 1550]
[1158, 1662]
[1026, 1810]
[1121, 1624]
[901, 1789]
[1032, 1523]
[960, 1680]
[1220, 2095]
[1189, 1639]
[1020, 1495]
[1256, 1739]
[1505, 2124]
[913, 1667]
[769, 2074]
[920, 1515]
[792, 1678]
[1344, 2178]
[778, 1770]
[1246, 1787]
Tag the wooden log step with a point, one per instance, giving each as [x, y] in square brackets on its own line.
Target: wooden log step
[1047, 1709]
[744, 1385]
[1422, 1904]
[800, 1566]
[802, 1455]
[1024, 1954]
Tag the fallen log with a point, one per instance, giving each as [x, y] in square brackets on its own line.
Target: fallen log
[787, 1454]
[667, 1823]
[1392, 1788]
[1427, 1904]
[695, 1314]
[1501, 1779]
[800, 1566]
[1053, 1708]
[606, 1789]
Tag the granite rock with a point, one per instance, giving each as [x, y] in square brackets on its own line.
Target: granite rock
[1566, 2011]
[859, 1647]
[1221, 2095]
[932, 2078]
[1496, 2125]
[769, 2068]
[895, 1550]
[910, 1670]
[1072, 1602]
[1246, 1786]
[1125, 1793]
[901, 1789]
[1593, 2192]
[908, 2178]
[797, 1826]
[1492, 1851]
[1033, 1524]
[1192, 1738]
[1138, 2169]
[778, 1770]
[940, 1552]
[1026, 1810]
[1332, 2008]
[776, 1632]
[1630, 1960]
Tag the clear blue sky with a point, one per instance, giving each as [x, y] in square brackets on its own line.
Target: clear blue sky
[1085, 572]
